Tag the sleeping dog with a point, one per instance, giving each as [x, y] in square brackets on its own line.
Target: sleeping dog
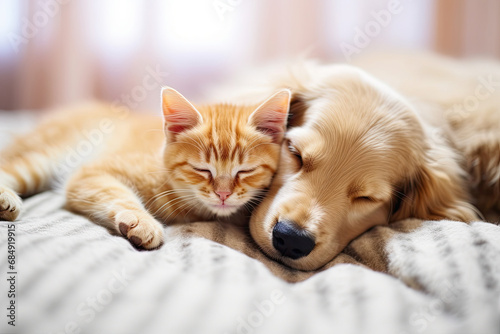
[359, 154]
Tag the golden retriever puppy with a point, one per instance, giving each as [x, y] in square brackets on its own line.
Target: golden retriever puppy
[359, 154]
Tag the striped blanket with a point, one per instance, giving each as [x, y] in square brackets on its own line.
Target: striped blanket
[411, 277]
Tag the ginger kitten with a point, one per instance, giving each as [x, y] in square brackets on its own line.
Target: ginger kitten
[199, 163]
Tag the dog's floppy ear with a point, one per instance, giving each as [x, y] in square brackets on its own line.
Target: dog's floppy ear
[432, 194]
[298, 108]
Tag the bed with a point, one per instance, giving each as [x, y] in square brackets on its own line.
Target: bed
[411, 277]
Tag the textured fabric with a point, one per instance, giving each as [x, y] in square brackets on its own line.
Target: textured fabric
[440, 277]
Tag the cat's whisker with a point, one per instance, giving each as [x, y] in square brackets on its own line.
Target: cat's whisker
[255, 201]
[177, 198]
[171, 191]
[248, 206]
[252, 203]
[188, 201]
[187, 213]
[164, 183]
[165, 193]
[258, 196]
[176, 204]
[173, 200]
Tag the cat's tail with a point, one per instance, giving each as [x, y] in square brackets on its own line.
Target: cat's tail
[44, 158]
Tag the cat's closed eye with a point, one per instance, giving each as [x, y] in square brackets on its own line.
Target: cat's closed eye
[206, 172]
[244, 172]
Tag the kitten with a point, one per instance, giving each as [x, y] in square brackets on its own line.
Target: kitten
[205, 162]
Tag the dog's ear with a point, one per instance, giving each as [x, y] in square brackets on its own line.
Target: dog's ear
[432, 194]
[298, 108]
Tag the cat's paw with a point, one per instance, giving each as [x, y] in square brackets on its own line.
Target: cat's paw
[10, 204]
[140, 229]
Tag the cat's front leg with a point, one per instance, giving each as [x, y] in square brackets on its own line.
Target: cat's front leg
[110, 203]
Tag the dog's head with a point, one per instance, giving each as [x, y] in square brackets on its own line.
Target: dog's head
[356, 155]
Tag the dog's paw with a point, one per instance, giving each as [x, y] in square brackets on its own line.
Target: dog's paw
[10, 204]
[140, 229]
[483, 158]
[484, 163]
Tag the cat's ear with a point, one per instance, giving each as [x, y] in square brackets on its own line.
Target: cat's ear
[271, 116]
[179, 114]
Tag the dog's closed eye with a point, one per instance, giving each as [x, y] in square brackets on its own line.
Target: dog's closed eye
[364, 200]
[295, 152]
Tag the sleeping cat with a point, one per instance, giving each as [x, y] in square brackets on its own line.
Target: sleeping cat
[126, 173]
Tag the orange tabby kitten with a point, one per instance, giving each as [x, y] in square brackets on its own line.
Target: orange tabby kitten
[127, 172]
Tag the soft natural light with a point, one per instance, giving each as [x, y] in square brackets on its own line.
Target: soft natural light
[194, 26]
[116, 25]
[350, 24]
[10, 23]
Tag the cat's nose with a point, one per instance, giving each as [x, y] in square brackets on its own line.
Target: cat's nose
[292, 241]
[223, 195]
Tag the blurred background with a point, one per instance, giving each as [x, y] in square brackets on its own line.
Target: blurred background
[55, 52]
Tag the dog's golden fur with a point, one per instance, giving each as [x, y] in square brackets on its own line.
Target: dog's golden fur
[462, 98]
[370, 155]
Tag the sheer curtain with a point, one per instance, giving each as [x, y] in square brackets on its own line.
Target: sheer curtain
[55, 52]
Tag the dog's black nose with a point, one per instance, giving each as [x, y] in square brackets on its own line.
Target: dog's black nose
[291, 241]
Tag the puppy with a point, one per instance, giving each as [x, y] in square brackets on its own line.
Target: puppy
[358, 154]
